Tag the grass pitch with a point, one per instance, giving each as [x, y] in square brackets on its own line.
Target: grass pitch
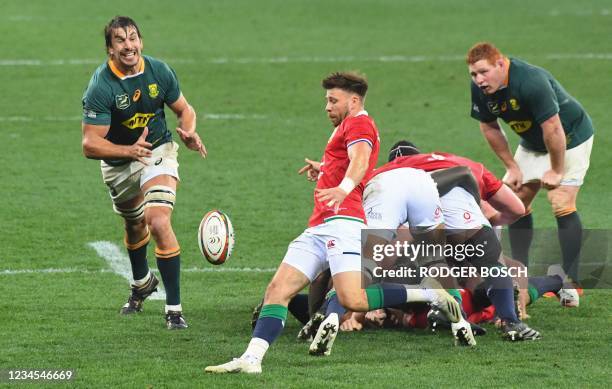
[252, 71]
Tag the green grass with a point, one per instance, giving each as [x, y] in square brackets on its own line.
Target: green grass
[53, 201]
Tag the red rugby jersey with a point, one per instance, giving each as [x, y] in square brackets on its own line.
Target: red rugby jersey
[335, 162]
[487, 182]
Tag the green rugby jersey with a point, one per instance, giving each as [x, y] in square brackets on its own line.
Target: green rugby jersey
[531, 97]
[129, 103]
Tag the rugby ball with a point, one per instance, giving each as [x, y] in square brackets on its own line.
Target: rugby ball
[216, 237]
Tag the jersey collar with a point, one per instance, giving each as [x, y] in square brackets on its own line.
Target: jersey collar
[120, 75]
[362, 112]
[507, 79]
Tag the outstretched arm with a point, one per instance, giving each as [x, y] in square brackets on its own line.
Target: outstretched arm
[187, 125]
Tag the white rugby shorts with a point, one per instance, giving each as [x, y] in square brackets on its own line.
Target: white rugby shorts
[402, 197]
[335, 244]
[534, 164]
[461, 212]
[124, 182]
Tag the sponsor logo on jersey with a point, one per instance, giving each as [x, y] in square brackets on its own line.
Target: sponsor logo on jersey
[153, 91]
[475, 108]
[435, 157]
[514, 104]
[467, 215]
[89, 113]
[158, 161]
[122, 101]
[139, 120]
[372, 215]
[493, 107]
[136, 96]
[437, 213]
[331, 244]
[520, 126]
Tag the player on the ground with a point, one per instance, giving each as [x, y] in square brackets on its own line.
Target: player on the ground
[333, 236]
[405, 198]
[124, 126]
[556, 140]
[466, 224]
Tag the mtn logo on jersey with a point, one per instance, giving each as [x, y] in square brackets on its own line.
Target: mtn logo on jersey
[122, 101]
[520, 126]
[139, 120]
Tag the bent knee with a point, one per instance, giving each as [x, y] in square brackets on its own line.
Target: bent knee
[562, 203]
[158, 222]
[277, 293]
[354, 302]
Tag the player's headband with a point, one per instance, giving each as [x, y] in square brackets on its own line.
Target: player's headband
[402, 150]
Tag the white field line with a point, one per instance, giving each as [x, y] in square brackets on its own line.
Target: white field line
[301, 59]
[208, 116]
[67, 270]
[119, 262]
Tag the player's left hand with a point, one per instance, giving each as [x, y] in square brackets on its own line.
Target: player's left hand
[352, 323]
[192, 141]
[333, 197]
[376, 317]
[551, 179]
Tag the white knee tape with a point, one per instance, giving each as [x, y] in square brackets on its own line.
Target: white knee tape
[159, 196]
[136, 213]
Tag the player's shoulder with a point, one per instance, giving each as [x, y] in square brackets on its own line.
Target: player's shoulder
[100, 80]
[361, 120]
[156, 64]
[526, 76]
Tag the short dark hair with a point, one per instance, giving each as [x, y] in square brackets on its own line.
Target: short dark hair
[402, 149]
[347, 81]
[118, 22]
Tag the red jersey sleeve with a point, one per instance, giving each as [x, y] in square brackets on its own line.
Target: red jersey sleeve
[360, 129]
[491, 184]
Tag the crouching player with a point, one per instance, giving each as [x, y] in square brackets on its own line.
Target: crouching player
[405, 198]
[333, 238]
[466, 225]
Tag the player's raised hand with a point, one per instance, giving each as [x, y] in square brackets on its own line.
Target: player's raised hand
[192, 141]
[551, 179]
[514, 179]
[141, 149]
[311, 169]
[333, 197]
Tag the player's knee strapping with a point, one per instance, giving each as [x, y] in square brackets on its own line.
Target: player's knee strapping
[132, 214]
[159, 196]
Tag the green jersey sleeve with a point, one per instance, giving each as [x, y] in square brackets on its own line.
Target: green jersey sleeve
[540, 97]
[97, 103]
[479, 110]
[173, 91]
